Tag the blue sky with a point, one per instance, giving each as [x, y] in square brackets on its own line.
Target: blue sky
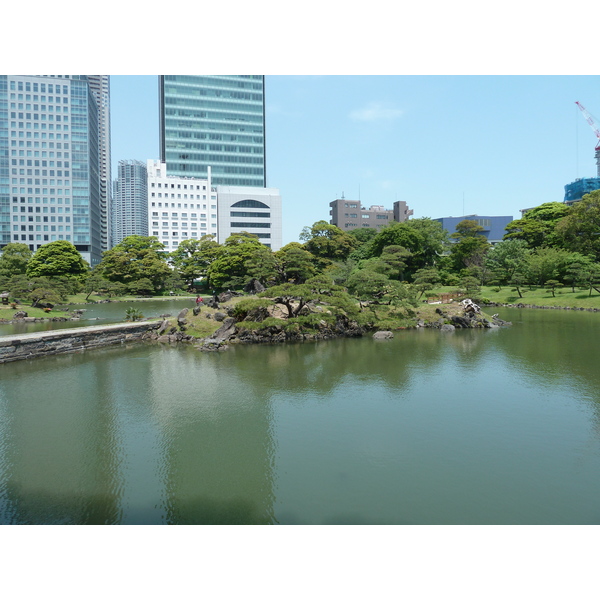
[489, 144]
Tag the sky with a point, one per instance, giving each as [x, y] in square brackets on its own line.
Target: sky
[447, 145]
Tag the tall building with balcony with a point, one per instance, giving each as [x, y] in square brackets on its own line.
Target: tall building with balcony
[100, 86]
[49, 163]
[130, 201]
[350, 214]
[215, 121]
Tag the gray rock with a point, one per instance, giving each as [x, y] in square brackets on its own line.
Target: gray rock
[447, 327]
[254, 286]
[182, 314]
[461, 322]
[225, 331]
[383, 335]
[219, 316]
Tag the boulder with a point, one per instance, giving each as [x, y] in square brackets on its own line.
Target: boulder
[383, 335]
[225, 331]
[219, 316]
[461, 322]
[254, 286]
[20, 314]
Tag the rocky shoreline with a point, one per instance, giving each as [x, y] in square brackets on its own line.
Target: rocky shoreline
[521, 305]
[234, 331]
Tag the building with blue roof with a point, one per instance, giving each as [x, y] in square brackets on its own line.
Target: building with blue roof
[579, 188]
[493, 227]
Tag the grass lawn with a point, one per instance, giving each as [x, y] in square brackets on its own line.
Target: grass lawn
[538, 296]
[6, 312]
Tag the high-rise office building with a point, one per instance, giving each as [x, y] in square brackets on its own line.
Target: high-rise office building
[215, 121]
[182, 208]
[130, 201]
[100, 86]
[49, 162]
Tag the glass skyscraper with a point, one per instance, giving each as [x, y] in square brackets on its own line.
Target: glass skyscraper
[49, 162]
[130, 201]
[215, 121]
[100, 86]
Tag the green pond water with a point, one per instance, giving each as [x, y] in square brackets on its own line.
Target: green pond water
[472, 427]
[98, 314]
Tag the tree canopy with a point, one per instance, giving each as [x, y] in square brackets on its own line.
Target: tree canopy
[136, 257]
[55, 259]
[14, 259]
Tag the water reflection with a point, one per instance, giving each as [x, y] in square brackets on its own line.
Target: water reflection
[470, 427]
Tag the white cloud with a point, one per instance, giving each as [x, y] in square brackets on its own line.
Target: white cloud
[388, 184]
[376, 111]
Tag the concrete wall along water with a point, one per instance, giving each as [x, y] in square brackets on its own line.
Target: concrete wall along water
[33, 345]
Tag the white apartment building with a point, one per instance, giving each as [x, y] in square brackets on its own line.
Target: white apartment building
[255, 210]
[181, 208]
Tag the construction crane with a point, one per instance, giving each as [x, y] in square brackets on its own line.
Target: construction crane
[592, 123]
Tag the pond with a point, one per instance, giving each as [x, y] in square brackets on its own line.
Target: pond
[472, 427]
[100, 314]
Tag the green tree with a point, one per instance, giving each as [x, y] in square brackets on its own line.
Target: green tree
[396, 259]
[193, 257]
[468, 252]
[538, 227]
[552, 285]
[507, 257]
[228, 269]
[365, 237]
[319, 289]
[471, 246]
[294, 263]
[426, 240]
[262, 265]
[136, 257]
[95, 282]
[591, 276]
[576, 271]
[580, 229]
[547, 263]
[367, 284]
[57, 258]
[467, 228]
[14, 259]
[425, 279]
[470, 284]
[327, 241]
[141, 287]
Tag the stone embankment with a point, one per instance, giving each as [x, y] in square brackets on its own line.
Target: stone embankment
[45, 343]
[521, 305]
